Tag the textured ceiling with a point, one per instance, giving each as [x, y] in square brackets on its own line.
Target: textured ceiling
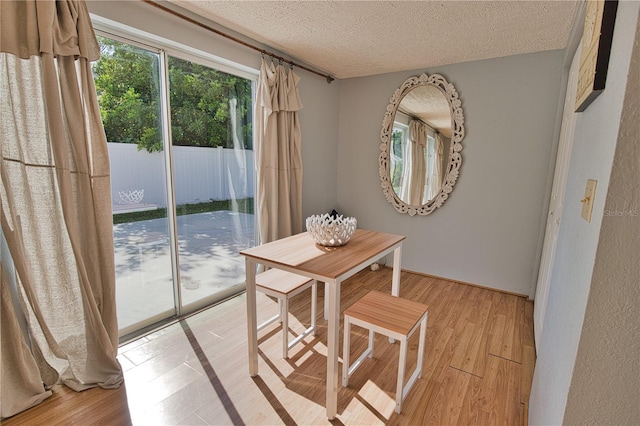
[359, 38]
[428, 104]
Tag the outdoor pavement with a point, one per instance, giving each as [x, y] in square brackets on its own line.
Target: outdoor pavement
[209, 245]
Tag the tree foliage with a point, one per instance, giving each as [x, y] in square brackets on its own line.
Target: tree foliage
[128, 87]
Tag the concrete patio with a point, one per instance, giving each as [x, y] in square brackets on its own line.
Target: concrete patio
[209, 262]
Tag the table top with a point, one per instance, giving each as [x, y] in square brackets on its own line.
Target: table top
[300, 252]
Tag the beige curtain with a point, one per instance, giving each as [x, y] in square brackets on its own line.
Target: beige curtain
[414, 170]
[434, 183]
[56, 207]
[278, 153]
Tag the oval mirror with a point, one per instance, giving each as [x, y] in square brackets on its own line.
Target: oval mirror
[421, 135]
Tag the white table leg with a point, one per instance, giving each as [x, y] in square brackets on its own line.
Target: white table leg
[333, 331]
[326, 301]
[252, 324]
[395, 280]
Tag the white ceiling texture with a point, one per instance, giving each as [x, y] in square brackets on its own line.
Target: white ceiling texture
[359, 38]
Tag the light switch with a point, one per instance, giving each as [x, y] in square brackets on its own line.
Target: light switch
[587, 201]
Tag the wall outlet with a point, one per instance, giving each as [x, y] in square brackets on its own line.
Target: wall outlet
[587, 201]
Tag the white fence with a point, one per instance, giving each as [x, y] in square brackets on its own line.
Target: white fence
[201, 174]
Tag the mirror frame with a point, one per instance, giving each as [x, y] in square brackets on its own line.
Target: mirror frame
[452, 170]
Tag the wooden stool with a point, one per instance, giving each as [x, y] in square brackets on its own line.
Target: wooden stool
[284, 285]
[394, 317]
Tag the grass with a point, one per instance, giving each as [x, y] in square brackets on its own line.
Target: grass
[244, 205]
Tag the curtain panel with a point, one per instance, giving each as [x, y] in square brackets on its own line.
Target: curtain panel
[434, 183]
[278, 153]
[414, 171]
[56, 207]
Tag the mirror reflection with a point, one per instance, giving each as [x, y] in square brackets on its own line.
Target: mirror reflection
[420, 142]
[422, 132]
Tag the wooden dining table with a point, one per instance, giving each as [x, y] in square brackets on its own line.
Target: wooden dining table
[332, 265]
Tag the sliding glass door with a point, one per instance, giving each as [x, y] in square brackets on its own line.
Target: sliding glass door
[180, 145]
[128, 87]
[211, 127]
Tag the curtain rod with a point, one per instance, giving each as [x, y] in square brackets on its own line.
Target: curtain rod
[237, 40]
[420, 120]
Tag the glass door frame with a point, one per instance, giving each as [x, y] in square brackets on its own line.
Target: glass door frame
[165, 48]
[167, 149]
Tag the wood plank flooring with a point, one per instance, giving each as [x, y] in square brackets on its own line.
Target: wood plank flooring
[478, 367]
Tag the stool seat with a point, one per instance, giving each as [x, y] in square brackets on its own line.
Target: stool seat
[383, 310]
[284, 285]
[281, 282]
[394, 317]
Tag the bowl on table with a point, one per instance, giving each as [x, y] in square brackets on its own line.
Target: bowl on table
[331, 230]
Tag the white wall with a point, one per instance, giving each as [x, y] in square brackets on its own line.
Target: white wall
[608, 392]
[595, 136]
[319, 117]
[488, 231]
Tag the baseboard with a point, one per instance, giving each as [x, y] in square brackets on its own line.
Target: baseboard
[464, 283]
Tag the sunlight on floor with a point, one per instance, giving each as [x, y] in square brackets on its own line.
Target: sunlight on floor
[372, 405]
[376, 397]
[303, 358]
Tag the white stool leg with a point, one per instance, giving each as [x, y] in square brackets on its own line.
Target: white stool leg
[371, 336]
[345, 352]
[401, 366]
[314, 303]
[280, 307]
[285, 328]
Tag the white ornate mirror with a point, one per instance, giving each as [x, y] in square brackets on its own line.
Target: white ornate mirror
[421, 135]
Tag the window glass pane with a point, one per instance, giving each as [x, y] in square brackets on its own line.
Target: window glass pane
[396, 160]
[127, 84]
[211, 125]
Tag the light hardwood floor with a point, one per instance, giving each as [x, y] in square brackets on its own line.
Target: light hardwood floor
[478, 367]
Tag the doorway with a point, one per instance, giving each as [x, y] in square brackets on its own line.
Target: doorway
[180, 137]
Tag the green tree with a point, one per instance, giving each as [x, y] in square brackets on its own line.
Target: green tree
[126, 79]
[127, 83]
[200, 105]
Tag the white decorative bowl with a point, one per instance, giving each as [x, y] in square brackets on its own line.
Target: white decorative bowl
[331, 231]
